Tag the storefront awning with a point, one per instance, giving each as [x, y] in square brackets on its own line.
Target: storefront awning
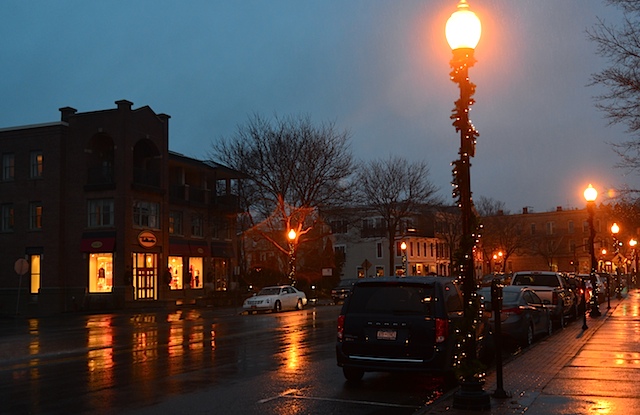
[98, 244]
[179, 248]
[200, 249]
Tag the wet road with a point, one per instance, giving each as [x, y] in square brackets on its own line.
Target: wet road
[191, 361]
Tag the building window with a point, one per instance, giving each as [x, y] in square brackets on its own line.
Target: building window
[34, 267]
[338, 226]
[7, 218]
[379, 250]
[195, 272]
[175, 223]
[379, 271]
[8, 167]
[36, 164]
[175, 271]
[585, 226]
[549, 228]
[101, 272]
[146, 214]
[196, 226]
[533, 229]
[570, 227]
[35, 215]
[100, 213]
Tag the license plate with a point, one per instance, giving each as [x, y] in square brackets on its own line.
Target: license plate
[386, 335]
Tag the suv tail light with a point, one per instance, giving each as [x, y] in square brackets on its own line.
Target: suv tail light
[442, 329]
[340, 327]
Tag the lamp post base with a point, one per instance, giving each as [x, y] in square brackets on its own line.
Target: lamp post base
[471, 396]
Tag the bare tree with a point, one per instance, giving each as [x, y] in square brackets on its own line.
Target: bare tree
[394, 189]
[620, 45]
[501, 231]
[295, 170]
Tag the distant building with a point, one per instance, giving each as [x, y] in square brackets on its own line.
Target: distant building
[556, 241]
[107, 217]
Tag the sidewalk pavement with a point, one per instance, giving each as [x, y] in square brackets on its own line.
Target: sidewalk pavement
[575, 371]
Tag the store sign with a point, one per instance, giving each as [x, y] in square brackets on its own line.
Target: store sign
[147, 239]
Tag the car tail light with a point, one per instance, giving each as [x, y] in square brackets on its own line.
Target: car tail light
[442, 329]
[340, 327]
[554, 298]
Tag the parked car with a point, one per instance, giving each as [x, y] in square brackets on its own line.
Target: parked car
[524, 316]
[392, 324]
[550, 286]
[342, 290]
[276, 298]
[601, 287]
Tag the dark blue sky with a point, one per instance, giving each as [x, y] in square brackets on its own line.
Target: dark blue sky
[379, 69]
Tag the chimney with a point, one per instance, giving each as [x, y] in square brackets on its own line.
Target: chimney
[500, 212]
[123, 104]
[558, 208]
[525, 210]
[66, 112]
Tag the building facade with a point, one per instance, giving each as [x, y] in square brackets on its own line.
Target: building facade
[106, 216]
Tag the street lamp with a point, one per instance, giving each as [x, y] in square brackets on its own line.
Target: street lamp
[403, 247]
[463, 34]
[616, 248]
[292, 256]
[590, 195]
[632, 244]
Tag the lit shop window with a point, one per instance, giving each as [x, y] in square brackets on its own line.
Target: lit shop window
[101, 272]
[35, 273]
[175, 269]
[195, 272]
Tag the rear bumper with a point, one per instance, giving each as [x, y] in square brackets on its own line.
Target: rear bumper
[440, 362]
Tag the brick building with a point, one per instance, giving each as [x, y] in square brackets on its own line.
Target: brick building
[107, 217]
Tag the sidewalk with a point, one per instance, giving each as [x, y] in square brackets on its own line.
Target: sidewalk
[595, 371]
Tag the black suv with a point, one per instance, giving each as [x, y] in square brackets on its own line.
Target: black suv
[400, 324]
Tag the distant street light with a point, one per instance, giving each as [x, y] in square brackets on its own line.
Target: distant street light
[403, 247]
[590, 195]
[292, 256]
[463, 30]
[615, 229]
[632, 244]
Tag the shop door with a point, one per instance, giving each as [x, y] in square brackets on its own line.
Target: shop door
[145, 273]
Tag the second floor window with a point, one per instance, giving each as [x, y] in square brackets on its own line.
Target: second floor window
[35, 215]
[175, 223]
[197, 228]
[146, 214]
[7, 218]
[570, 227]
[8, 166]
[549, 228]
[36, 164]
[100, 213]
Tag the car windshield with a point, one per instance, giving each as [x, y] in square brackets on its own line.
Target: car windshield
[537, 280]
[391, 299]
[269, 291]
[346, 283]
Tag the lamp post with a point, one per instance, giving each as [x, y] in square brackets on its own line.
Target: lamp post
[292, 256]
[590, 195]
[403, 247]
[632, 244]
[615, 229]
[463, 34]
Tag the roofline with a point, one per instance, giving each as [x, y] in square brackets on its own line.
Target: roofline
[30, 126]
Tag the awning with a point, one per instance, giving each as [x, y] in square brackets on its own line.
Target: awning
[98, 244]
[199, 249]
[179, 248]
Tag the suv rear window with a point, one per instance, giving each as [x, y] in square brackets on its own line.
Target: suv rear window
[392, 299]
[536, 280]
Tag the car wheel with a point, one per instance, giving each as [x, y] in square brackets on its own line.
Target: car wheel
[299, 304]
[277, 307]
[528, 341]
[352, 374]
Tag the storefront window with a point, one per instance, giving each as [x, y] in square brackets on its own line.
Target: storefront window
[176, 269]
[101, 272]
[195, 272]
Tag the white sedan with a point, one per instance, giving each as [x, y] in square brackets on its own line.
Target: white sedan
[276, 298]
